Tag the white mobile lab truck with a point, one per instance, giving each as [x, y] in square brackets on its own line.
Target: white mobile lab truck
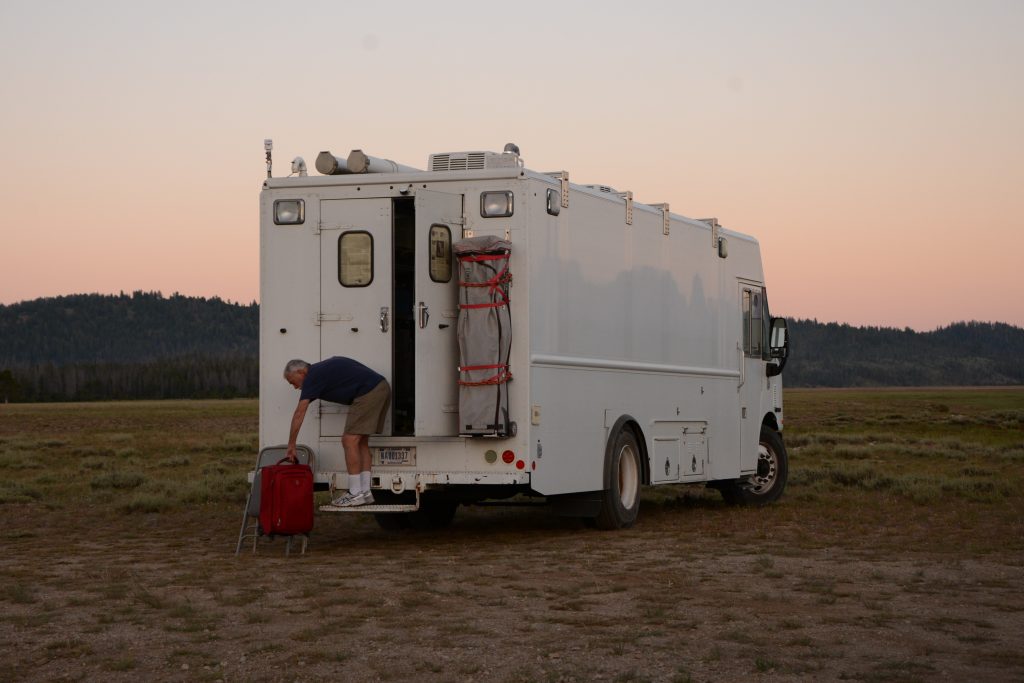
[542, 339]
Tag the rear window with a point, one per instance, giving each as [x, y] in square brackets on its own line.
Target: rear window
[355, 258]
[440, 253]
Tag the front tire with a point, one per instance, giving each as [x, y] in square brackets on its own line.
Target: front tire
[620, 501]
[769, 481]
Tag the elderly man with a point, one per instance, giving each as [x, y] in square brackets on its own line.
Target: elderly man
[343, 380]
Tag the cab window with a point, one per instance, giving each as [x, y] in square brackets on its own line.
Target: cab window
[753, 321]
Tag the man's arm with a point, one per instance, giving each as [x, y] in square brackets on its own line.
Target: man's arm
[293, 435]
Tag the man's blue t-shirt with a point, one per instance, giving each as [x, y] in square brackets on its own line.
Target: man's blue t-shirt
[339, 380]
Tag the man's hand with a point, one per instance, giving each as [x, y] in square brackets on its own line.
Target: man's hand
[292, 455]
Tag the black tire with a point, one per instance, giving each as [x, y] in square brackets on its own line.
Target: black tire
[392, 521]
[433, 514]
[620, 501]
[768, 483]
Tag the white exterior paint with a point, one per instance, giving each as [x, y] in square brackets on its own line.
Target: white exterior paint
[609, 319]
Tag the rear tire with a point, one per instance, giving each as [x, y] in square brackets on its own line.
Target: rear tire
[392, 521]
[620, 501]
[433, 514]
[768, 483]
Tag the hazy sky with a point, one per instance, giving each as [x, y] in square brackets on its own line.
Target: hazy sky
[874, 148]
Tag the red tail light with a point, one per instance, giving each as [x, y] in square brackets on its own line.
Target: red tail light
[507, 457]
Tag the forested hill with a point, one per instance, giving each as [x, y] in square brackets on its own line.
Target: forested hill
[962, 354]
[127, 346]
[137, 327]
[145, 345]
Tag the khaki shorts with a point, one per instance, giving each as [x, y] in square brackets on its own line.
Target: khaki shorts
[367, 413]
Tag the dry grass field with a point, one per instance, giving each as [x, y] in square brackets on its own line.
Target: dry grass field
[896, 554]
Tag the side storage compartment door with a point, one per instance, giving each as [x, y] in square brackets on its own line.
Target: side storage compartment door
[438, 225]
[355, 291]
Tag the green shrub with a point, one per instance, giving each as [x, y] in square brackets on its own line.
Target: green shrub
[118, 480]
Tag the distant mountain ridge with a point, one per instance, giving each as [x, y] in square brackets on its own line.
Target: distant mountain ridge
[146, 345]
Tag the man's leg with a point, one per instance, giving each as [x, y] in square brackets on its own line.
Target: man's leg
[353, 445]
[365, 458]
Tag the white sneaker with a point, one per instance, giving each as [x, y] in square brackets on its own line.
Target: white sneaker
[353, 499]
[346, 500]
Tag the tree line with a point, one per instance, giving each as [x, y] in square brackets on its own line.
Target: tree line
[961, 354]
[144, 345]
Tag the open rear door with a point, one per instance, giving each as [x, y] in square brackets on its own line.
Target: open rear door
[355, 291]
[438, 225]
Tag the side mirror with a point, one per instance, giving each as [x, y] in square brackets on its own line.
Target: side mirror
[778, 347]
[779, 343]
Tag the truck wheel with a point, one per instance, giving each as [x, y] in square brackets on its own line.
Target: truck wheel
[392, 521]
[766, 485]
[620, 502]
[433, 514]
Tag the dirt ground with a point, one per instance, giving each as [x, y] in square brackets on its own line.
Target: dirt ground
[846, 578]
[695, 592]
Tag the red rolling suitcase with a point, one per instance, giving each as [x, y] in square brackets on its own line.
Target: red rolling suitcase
[286, 499]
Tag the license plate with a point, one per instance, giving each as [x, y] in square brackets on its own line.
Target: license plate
[394, 456]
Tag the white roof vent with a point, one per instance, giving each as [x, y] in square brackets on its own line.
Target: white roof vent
[472, 161]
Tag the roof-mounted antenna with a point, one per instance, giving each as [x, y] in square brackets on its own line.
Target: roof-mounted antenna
[268, 145]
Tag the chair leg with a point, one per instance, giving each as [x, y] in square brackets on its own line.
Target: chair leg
[245, 519]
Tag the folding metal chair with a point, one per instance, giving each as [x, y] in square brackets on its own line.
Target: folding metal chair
[251, 514]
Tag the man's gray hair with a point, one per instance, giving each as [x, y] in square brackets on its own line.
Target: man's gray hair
[295, 366]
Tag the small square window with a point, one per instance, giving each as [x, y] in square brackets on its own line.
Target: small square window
[355, 258]
[554, 201]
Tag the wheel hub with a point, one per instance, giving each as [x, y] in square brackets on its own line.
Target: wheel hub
[767, 470]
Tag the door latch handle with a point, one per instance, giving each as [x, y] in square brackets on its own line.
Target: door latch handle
[383, 318]
[424, 312]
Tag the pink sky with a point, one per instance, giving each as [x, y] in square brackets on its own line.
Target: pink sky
[874, 148]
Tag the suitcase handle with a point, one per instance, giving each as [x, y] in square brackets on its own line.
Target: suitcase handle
[285, 459]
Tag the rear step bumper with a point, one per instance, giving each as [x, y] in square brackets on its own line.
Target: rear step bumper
[370, 508]
[412, 507]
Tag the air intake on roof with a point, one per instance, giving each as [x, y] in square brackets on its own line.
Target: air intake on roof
[472, 161]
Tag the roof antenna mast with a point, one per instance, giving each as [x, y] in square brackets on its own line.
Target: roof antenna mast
[268, 145]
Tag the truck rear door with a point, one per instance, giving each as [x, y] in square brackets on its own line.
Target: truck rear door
[438, 225]
[355, 291]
